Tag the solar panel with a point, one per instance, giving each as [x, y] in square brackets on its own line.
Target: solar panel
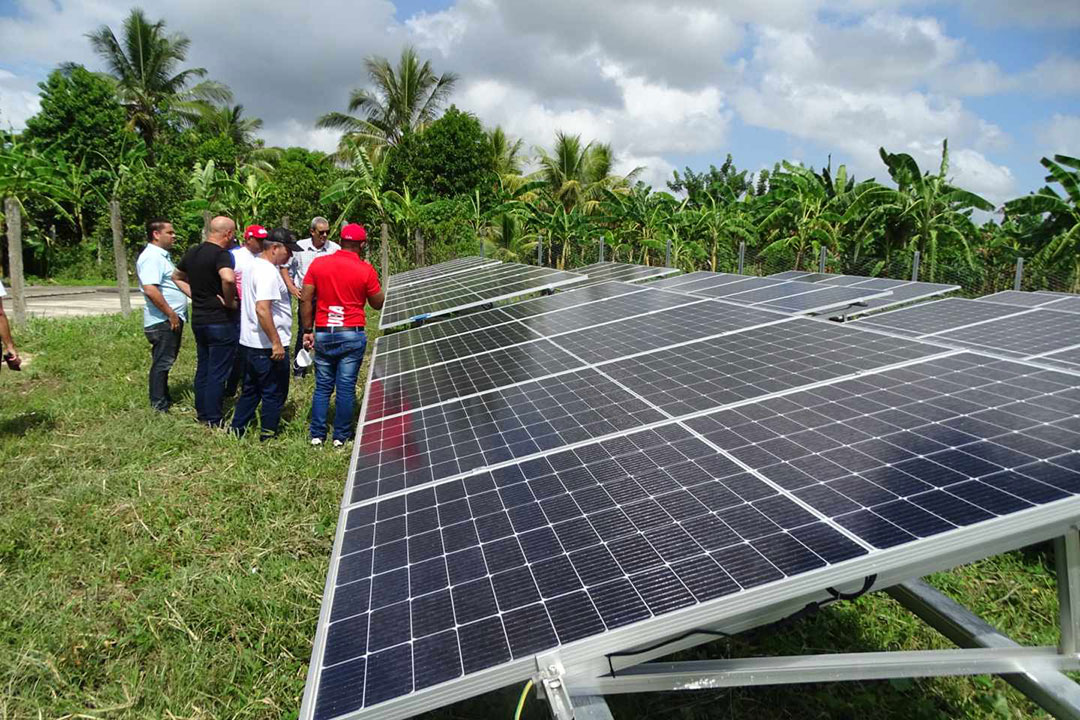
[1067, 304]
[793, 275]
[1033, 332]
[454, 589]
[1019, 298]
[901, 291]
[625, 306]
[757, 362]
[539, 306]
[458, 292]
[937, 316]
[825, 298]
[664, 329]
[446, 327]
[430, 272]
[623, 272]
[446, 441]
[676, 281]
[434, 384]
[421, 355]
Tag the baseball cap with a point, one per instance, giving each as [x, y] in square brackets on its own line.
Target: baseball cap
[255, 231]
[354, 232]
[285, 237]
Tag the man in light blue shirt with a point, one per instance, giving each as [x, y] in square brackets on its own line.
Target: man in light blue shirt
[165, 310]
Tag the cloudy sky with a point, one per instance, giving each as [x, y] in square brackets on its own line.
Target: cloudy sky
[668, 83]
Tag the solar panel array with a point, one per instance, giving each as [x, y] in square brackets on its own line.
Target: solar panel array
[902, 291]
[623, 272]
[779, 294]
[433, 296]
[533, 483]
[450, 267]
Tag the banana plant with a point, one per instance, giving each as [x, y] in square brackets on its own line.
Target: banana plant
[1062, 213]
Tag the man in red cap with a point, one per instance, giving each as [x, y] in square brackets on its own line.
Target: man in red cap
[336, 289]
[243, 256]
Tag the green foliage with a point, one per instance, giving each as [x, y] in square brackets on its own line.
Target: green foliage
[452, 157]
[300, 176]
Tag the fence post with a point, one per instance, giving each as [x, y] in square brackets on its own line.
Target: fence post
[601, 249]
[1019, 273]
[667, 253]
[539, 249]
[742, 255]
[915, 267]
[419, 248]
[821, 261]
[205, 224]
[285, 221]
[120, 254]
[385, 251]
[15, 259]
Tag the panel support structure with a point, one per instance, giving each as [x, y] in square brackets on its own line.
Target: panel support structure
[1038, 672]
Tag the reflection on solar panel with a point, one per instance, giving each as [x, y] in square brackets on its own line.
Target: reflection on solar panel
[443, 295]
[623, 272]
[937, 316]
[430, 272]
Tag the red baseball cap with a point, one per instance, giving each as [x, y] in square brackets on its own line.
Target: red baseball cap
[255, 231]
[354, 232]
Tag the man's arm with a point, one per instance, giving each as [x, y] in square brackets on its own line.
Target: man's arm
[266, 322]
[376, 301]
[5, 333]
[307, 315]
[184, 285]
[154, 295]
[286, 275]
[228, 287]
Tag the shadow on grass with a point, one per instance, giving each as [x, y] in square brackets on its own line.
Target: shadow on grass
[23, 423]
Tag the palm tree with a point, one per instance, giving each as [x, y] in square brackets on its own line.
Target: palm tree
[228, 121]
[145, 62]
[507, 152]
[1062, 213]
[576, 174]
[404, 99]
[509, 240]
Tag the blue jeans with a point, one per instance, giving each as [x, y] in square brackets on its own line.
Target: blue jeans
[215, 352]
[337, 363]
[267, 380]
[164, 347]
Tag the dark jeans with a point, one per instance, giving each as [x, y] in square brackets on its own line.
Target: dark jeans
[337, 363]
[216, 350]
[164, 347]
[267, 380]
[237, 373]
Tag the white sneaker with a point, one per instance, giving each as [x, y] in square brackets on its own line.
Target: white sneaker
[339, 443]
[316, 442]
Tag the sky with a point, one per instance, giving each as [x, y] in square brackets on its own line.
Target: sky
[668, 83]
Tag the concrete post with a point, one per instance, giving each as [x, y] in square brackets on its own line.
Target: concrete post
[1019, 273]
[120, 255]
[915, 267]
[821, 260]
[385, 249]
[742, 255]
[15, 258]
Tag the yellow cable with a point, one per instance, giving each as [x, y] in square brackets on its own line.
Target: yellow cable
[521, 700]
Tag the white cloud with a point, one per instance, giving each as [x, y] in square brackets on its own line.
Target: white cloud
[972, 171]
[293, 133]
[1060, 136]
[18, 100]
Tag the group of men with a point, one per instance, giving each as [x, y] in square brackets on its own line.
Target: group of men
[242, 320]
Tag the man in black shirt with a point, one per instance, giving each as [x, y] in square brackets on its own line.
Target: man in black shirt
[208, 268]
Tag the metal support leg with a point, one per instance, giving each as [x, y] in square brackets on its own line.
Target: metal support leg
[1067, 560]
[1045, 686]
[591, 707]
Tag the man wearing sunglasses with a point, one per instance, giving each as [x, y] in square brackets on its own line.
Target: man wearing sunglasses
[316, 246]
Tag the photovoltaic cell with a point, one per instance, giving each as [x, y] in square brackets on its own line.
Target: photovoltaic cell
[442, 329]
[1068, 359]
[1019, 298]
[562, 300]
[676, 281]
[624, 272]
[413, 357]
[625, 306]
[423, 274]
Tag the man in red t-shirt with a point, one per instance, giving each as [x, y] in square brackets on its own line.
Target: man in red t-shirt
[336, 288]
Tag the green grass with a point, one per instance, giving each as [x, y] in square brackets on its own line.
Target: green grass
[150, 568]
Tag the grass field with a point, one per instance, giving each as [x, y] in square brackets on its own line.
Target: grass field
[150, 568]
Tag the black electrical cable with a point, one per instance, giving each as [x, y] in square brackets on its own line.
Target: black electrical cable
[808, 610]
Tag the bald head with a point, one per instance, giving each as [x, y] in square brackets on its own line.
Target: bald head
[222, 231]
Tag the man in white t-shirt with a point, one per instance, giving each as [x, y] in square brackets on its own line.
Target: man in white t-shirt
[265, 331]
[243, 255]
[11, 355]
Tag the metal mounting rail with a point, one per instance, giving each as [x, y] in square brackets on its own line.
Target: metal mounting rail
[1037, 672]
